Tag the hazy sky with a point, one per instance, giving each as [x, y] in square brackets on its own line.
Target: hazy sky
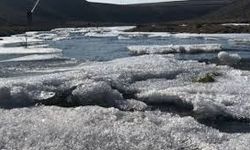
[131, 1]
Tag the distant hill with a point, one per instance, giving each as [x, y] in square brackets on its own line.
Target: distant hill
[237, 11]
[61, 11]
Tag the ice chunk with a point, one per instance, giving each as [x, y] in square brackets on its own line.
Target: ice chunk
[155, 96]
[165, 49]
[229, 59]
[42, 95]
[97, 93]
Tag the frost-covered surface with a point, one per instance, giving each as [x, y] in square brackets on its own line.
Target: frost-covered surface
[165, 49]
[137, 102]
[99, 128]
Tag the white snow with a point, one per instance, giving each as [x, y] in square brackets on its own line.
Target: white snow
[129, 2]
[165, 49]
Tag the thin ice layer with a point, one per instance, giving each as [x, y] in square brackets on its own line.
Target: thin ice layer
[36, 58]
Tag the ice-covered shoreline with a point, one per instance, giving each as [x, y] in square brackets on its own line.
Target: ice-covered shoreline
[149, 80]
[132, 102]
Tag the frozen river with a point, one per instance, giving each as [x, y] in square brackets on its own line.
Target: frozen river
[104, 88]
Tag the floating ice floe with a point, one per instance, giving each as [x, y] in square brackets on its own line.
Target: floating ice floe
[28, 50]
[36, 58]
[165, 49]
[229, 59]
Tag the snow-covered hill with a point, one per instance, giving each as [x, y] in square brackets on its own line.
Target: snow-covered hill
[129, 2]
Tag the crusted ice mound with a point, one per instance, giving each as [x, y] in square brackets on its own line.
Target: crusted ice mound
[165, 49]
[223, 97]
[152, 79]
[116, 75]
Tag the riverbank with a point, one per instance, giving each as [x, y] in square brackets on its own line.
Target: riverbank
[8, 30]
[194, 28]
[172, 28]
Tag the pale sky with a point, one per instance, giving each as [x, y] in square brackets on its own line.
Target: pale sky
[130, 1]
